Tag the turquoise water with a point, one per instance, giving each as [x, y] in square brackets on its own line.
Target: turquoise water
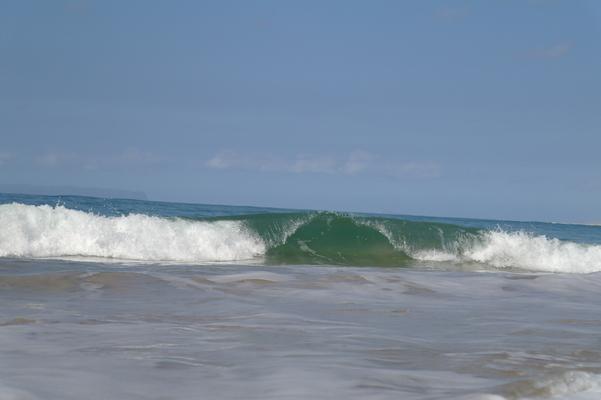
[129, 299]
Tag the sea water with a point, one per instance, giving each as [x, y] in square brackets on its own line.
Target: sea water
[122, 299]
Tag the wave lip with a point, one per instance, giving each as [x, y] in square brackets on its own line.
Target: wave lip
[46, 231]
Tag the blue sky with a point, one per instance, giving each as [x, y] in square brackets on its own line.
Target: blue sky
[479, 109]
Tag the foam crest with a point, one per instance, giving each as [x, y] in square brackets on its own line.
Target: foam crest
[434, 255]
[572, 385]
[46, 231]
[574, 382]
[534, 252]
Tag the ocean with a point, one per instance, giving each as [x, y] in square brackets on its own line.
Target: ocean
[132, 299]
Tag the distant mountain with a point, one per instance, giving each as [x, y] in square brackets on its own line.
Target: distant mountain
[73, 190]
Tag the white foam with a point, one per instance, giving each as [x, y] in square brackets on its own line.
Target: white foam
[572, 385]
[46, 231]
[433, 255]
[502, 249]
[534, 252]
[483, 396]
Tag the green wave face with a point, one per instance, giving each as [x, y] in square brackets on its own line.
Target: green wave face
[332, 239]
[338, 239]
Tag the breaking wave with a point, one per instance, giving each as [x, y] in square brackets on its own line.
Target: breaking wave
[45, 231]
[296, 238]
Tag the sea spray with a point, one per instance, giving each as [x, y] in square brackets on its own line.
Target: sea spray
[535, 252]
[46, 231]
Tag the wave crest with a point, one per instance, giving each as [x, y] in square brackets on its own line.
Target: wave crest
[300, 238]
[535, 252]
[45, 231]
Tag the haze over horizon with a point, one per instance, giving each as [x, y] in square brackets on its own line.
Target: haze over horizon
[427, 108]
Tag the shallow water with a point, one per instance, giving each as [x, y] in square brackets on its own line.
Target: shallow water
[72, 330]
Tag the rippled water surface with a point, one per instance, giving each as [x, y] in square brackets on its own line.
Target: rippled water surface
[73, 330]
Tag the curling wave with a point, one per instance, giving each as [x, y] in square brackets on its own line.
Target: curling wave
[278, 238]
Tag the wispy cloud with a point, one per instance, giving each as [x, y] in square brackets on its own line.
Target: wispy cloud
[126, 159]
[318, 164]
[555, 51]
[356, 162]
[449, 13]
[229, 159]
[414, 170]
[51, 160]
[5, 157]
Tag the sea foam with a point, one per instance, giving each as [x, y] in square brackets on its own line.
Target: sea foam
[569, 385]
[46, 231]
[535, 252]
[521, 250]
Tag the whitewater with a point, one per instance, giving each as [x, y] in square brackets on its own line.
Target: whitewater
[127, 299]
[42, 231]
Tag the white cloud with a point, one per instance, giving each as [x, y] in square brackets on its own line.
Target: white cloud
[319, 164]
[357, 162]
[229, 159]
[223, 160]
[233, 160]
[557, 50]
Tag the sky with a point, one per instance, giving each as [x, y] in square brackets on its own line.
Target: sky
[486, 109]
